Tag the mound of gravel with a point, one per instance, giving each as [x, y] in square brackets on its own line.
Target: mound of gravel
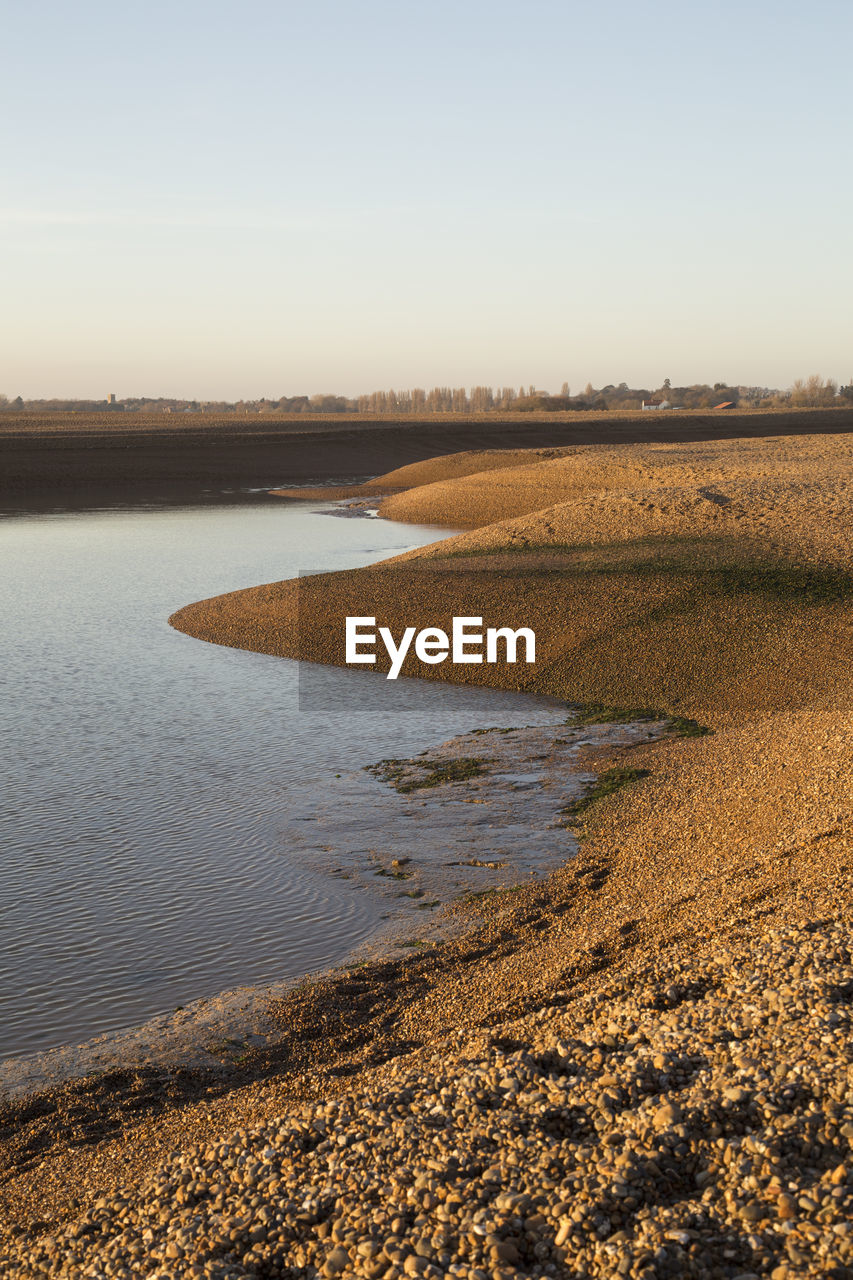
[699, 1126]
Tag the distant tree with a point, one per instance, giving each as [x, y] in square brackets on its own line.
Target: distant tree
[439, 400]
[753, 395]
[482, 399]
[564, 390]
[328, 404]
[812, 392]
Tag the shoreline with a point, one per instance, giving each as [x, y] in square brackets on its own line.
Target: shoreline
[639, 1060]
[233, 1018]
[212, 1034]
[548, 967]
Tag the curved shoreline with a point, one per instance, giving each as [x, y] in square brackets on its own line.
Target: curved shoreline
[676, 992]
[179, 1038]
[212, 1035]
[232, 1019]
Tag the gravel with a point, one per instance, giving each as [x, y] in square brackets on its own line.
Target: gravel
[699, 1125]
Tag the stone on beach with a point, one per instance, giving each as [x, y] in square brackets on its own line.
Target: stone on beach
[723, 1150]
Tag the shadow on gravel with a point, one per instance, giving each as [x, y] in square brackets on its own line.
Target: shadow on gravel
[87, 1111]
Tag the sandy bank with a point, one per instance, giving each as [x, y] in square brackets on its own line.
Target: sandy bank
[778, 487]
[650, 991]
[640, 1064]
[433, 470]
[712, 580]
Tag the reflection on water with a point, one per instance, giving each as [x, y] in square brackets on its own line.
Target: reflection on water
[144, 830]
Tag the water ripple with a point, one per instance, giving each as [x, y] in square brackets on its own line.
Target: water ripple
[156, 790]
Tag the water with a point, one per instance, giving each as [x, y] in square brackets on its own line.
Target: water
[154, 787]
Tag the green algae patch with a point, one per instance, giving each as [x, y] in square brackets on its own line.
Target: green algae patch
[610, 781]
[398, 773]
[674, 726]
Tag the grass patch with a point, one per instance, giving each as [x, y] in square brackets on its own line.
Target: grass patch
[598, 713]
[481, 895]
[436, 772]
[227, 1045]
[681, 727]
[608, 782]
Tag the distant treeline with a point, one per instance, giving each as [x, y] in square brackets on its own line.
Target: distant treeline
[808, 392]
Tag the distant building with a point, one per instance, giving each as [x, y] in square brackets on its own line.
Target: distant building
[727, 404]
[656, 404]
[111, 398]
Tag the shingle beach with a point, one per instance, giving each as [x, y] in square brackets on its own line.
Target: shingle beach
[639, 1066]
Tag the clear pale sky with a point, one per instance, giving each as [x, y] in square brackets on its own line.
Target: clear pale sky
[231, 200]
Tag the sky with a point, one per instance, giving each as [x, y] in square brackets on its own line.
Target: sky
[222, 200]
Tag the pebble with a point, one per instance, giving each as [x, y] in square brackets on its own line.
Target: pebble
[630, 1136]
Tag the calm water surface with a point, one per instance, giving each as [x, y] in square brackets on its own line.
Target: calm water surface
[151, 783]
